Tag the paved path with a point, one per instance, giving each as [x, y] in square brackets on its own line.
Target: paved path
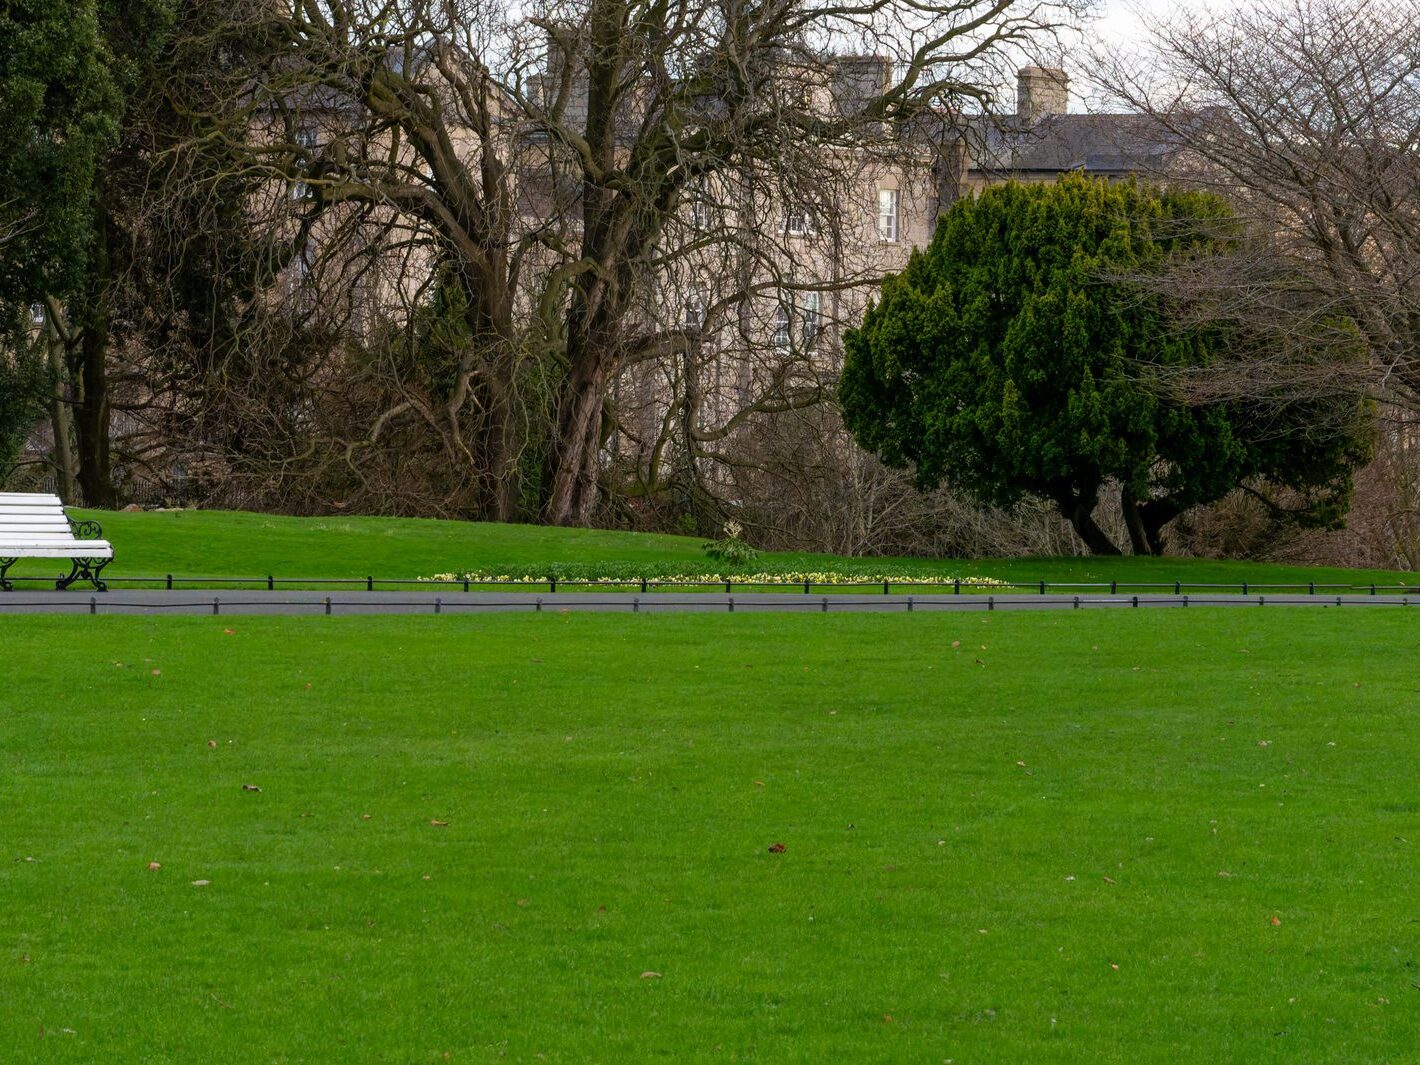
[295, 603]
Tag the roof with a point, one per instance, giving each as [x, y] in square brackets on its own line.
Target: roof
[1093, 143]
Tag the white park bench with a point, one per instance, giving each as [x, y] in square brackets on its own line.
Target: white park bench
[35, 526]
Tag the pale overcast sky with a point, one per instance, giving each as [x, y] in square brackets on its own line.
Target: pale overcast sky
[1121, 18]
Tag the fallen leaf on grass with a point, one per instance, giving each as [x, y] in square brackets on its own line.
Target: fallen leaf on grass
[436, 823]
[159, 673]
[650, 975]
[201, 883]
[212, 744]
[1110, 880]
[229, 632]
[154, 866]
[1276, 921]
[251, 787]
[777, 848]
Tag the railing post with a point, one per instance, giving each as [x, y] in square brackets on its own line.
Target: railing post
[909, 604]
[465, 584]
[643, 585]
[885, 587]
[539, 604]
[956, 586]
[216, 606]
[825, 604]
[1042, 587]
[1136, 600]
[170, 582]
[369, 584]
[93, 605]
[1077, 602]
[552, 585]
[327, 606]
[438, 605]
[1114, 587]
[990, 602]
[1244, 587]
[806, 586]
[731, 602]
[1177, 587]
[635, 604]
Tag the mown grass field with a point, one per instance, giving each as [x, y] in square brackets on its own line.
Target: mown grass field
[226, 544]
[1090, 837]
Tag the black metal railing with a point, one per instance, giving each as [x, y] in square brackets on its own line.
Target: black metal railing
[174, 582]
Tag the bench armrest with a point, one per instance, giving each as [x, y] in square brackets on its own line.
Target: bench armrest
[86, 530]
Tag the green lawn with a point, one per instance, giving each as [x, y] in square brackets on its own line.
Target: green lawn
[225, 544]
[1084, 837]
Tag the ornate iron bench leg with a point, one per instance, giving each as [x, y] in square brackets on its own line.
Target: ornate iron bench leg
[84, 569]
[5, 564]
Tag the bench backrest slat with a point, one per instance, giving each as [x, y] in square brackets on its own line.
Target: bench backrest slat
[35, 519]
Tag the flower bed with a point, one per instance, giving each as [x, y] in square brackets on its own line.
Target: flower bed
[763, 579]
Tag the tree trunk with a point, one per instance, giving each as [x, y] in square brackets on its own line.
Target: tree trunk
[1080, 512]
[1156, 514]
[504, 452]
[60, 420]
[1134, 522]
[572, 476]
[91, 415]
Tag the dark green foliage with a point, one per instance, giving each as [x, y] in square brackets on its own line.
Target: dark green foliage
[24, 386]
[1013, 358]
[58, 113]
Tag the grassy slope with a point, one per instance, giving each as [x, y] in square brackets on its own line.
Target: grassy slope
[214, 544]
[1065, 840]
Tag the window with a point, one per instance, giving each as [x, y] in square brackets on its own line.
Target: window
[782, 340]
[797, 222]
[694, 316]
[307, 141]
[701, 209]
[813, 317]
[887, 215]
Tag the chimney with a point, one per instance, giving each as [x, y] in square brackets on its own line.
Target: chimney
[564, 43]
[1041, 91]
[857, 81]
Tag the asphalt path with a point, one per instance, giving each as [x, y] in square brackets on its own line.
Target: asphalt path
[319, 604]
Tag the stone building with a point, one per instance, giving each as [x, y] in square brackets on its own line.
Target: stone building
[834, 249]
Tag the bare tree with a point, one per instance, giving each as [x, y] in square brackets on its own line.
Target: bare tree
[1306, 114]
[563, 177]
